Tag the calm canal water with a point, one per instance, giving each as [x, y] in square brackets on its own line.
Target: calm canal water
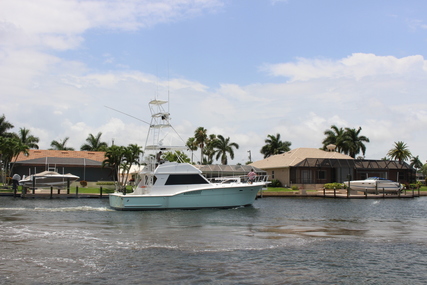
[276, 241]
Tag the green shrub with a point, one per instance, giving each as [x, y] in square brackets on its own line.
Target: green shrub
[415, 185]
[275, 183]
[335, 185]
[294, 187]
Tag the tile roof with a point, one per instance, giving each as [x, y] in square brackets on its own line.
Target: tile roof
[295, 156]
[38, 154]
[68, 161]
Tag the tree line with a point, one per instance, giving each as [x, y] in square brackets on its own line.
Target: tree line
[212, 147]
[118, 158]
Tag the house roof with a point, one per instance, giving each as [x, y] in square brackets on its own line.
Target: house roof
[353, 163]
[60, 157]
[68, 161]
[295, 156]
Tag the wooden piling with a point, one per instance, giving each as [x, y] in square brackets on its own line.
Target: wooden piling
[51, 192]
[100, 192]
[77, 191]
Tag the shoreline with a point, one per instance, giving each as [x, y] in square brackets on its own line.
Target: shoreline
[264, 194]
[340, 194]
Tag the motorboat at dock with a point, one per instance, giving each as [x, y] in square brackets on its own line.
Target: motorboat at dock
[375, 185]
[48, 179]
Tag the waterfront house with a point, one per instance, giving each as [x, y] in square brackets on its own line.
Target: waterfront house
[311, 168]
[85, 164]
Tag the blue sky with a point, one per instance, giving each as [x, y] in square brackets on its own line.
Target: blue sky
[243, 69]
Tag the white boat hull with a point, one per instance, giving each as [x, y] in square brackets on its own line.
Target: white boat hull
[224, 197]
[374, 186]
[48, 179]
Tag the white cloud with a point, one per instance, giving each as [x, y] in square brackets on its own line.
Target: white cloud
[356, 66]
[60, 24]
[57, 97]
[388, 107]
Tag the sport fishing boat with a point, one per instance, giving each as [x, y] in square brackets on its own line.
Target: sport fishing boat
[47, 179]
[177, 185]
[375, 185]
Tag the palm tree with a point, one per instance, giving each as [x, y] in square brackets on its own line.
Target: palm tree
[192, 146]
[275, 146]
[4, 127]
[60, 145]
[416, 162]
[10, 148]
[209, 150]
[222, 147]
[113, 159]
[353, 142]
[334, 136]
[94, 143]
[201, 136]
[27, 139]
[400, 152]
[131, 156]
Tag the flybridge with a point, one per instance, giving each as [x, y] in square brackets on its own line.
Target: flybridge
[160, 127]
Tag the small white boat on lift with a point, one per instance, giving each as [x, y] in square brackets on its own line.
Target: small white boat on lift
[48, 179]
[174, 185]
[375, 185]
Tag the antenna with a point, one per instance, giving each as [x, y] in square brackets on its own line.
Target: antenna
[127, 115]
[168, 90]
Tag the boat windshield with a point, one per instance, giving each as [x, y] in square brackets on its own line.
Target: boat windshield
[376, 178]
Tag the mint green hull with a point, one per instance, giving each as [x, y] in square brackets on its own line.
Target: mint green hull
[206, 198]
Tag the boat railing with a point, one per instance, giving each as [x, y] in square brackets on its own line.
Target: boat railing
[238, 179]
[259, 178]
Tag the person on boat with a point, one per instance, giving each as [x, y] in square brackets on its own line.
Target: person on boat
[159, 158]
[251, 176]
[15, 180]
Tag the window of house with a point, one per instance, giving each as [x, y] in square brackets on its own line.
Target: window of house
[272, 174]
